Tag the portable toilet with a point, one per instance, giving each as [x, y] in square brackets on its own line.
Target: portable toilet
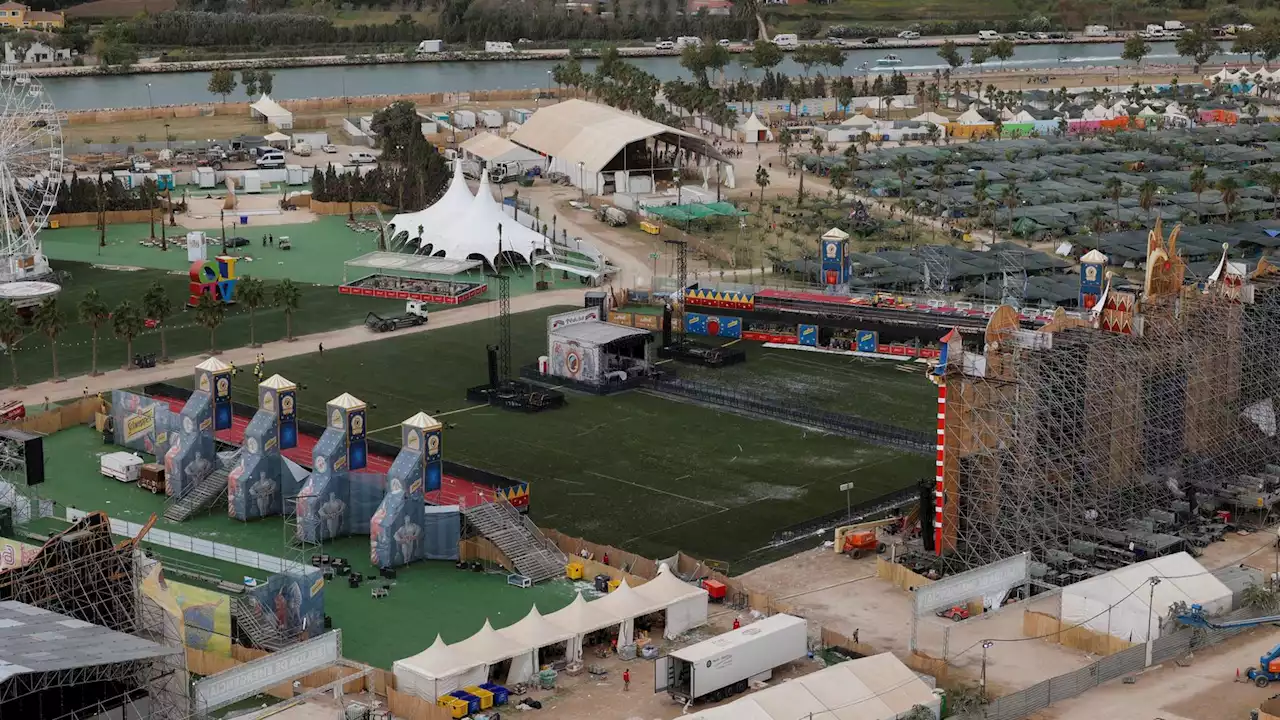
[520, 115]
[164, 179]
[206, 177]
[440, 117]
[293, 175]
[252, 181]
[124, 176]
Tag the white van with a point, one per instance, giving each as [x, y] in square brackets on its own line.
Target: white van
[988, 35]
[786, 40]
[360, 157]
[687, 40]
[498, 47]
[665, 45]
[271, 159]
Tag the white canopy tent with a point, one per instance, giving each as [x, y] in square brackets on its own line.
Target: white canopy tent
[626, 603]
[436, 671]
[686, 604]
[1122, 602]
[470, 230]
[931, 117]
[878, 687]
[272, 113]
[582, 618]
[754, 131]
[493, 149]
[972, 117]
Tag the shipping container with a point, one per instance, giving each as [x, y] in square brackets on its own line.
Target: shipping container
[491, 118]
[726, 664]
[464, 119]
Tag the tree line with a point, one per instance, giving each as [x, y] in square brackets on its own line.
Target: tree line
[80, 195]
[460, 21]
[128, 320]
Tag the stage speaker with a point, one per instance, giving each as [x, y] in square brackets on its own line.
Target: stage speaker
[666, 326]
[492, 351]
[6, 522]
[926, 515]
[388, 573]
[24, 447]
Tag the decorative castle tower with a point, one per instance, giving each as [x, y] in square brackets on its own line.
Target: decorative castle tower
[259, 483]
[323, 500]
[190, 455]
[396, 533]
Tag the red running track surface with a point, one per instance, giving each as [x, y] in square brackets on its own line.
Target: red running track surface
[453, 490]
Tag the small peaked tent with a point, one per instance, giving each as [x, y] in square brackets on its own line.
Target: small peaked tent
[582, 618]
[931, 117]
[858, 120]
[754, 131]
[972, 116]
[686, 604]
[271, 112]
[435, 672]
[627, 604]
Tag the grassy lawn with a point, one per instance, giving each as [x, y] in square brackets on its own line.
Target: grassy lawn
[428, 598]
[193, 128]
[877, 390]
[634, 470]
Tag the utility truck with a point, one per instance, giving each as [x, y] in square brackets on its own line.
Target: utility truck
[726, 664]
[415, 314]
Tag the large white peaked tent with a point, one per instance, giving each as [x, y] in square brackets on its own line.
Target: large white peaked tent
[1123, 603]
[463, 226]
[879, 687]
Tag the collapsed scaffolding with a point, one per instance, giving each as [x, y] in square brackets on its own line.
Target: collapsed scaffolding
[83, 574]
[1106, 439]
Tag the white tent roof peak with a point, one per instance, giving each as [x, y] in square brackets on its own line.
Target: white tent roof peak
[348, 401]
[277, 382]
[213, 364]
[1093, 256]
[422, 420]
[835, 233]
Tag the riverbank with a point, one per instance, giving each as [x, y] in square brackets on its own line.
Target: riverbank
[156, 65]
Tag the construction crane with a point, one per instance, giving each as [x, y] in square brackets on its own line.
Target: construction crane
[1268, 665]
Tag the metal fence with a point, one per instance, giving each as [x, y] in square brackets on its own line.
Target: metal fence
[778, 408]
[1023, 703]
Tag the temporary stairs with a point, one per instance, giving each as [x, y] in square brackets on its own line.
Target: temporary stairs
[532, 553]
[201, 495]
[262, 630]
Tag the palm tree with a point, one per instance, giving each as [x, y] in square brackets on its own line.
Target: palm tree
[980, 195]
[838, 178]
[762, 179]
[785, 139]
[289, 297]
[1147, 192]
[1011, 197]
[93, 312]
[1115, 191]
[147, 193]
[209, 314]
[158, 307]
[1199, 183]
[1096, 217]
[253, 293]
[1272, 181]
[1230, 189]
[11, 335]
[128, 323]
[902, 165]
[50, 320]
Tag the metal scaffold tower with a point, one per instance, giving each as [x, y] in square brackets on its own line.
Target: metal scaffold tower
[1013, 276]
[504, 327]
[682, 280]
[937, 270]
[1079, 434]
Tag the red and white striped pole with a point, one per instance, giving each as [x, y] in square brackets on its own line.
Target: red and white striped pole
[940, 471]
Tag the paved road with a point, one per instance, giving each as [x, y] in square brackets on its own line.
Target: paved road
[35, 395]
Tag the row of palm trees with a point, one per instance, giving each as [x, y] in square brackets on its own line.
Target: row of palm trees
[128, 320]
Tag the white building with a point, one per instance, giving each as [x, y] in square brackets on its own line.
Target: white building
[493, 149]
[598, 147]
[36, 53]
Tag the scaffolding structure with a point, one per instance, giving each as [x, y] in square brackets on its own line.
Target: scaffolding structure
[83, 574]
[1080, 432]
[936, 260]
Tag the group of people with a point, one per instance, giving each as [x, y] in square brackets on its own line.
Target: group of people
[259, 367]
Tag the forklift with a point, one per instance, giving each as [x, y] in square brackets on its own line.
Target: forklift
[1268, 668]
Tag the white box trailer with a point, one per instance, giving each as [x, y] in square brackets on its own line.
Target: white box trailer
[491, 118]
[464, 119]
[252, 182]
[206, 177]
[316, 140]
[427, 47]
[122, 466]
[498, 47]
[726, 664]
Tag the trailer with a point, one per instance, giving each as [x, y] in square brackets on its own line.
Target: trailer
[726, 664]
[427, 47]
[464, 119]
[491, 118]
[415, 314]
[491, 46]
[122, 466]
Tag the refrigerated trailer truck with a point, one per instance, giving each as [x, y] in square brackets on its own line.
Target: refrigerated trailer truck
[726, 664]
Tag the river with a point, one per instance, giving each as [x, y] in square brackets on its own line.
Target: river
[116, 91]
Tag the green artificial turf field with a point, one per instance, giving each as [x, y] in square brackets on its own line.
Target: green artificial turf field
[634, 470]
[884, 391]
[428, 598]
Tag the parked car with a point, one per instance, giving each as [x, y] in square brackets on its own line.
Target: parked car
[236, 242]
[871, 41]
[329, 148]
[908, 35]
[723, 42]
[954, 614]
[360, 157]
[140, 164]
[665, 45]
[1040, 35]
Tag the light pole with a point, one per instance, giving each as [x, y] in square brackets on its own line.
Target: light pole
[1151, 612]
[581, 181]
[986, 645]
[548, 84]
[150, 105]
[167, 142]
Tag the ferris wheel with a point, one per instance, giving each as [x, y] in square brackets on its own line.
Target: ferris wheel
[31, 162]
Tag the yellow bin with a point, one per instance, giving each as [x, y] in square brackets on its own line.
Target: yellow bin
[574, 570]
[486, 697]
[613, 585]
[457, 707]
[649, 227]
[54, 224]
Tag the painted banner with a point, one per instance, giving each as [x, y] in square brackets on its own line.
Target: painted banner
[867, 341]
[15, 554]
[288, 419]
[573, 317]
[809, 335]
[206, 618]
[357, 451]
[136, 425]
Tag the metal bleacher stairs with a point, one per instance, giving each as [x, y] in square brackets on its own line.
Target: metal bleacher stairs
[263, 631]
[532, 553]
[202, 494]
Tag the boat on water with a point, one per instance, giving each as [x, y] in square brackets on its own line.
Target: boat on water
[889, 59]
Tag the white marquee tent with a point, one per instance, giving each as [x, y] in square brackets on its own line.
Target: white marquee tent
[464, 227]
[878, 687]
[754, 131]
[1127, 592]
[443, 668]
[270, 111]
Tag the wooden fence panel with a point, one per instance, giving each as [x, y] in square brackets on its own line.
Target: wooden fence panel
[410, 707]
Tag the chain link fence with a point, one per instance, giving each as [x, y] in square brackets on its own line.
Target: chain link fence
[1027, 701]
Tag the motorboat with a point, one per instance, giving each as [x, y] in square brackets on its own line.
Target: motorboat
[889, 59]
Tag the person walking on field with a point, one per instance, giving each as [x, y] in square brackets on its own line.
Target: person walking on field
[626, 680]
